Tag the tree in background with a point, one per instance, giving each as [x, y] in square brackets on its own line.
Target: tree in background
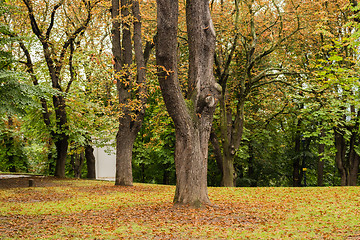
[245, 61]
[55, 51]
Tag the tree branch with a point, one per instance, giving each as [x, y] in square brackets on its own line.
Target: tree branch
[33, 22]
[52, 19]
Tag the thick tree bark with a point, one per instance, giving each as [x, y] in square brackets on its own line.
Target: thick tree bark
[192, 117]
[61, 137]
[90, 161]
[125, 139]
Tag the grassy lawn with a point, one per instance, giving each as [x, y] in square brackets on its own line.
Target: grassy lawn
[81, 209]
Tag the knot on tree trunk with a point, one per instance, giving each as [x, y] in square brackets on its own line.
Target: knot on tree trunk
[208, 97]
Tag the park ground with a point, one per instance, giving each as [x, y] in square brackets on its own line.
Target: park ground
[84, 209]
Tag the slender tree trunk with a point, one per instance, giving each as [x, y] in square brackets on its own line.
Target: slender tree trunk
[217, 151]
[231, 133]
[296, 161]
[77, 161]
[353, 162]
[192, 120]
[340, 146]
[320, 166]
[251, 171]
[354, 170]
[9, 146]
[90, 161]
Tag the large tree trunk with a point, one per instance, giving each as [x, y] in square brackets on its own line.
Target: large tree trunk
[61, 145]
[191, 169]
[61, 137]
[90, 161]
[347, 164]
[125, 139]
[193, 119]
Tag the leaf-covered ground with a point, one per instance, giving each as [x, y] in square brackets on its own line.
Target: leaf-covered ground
[80, 209]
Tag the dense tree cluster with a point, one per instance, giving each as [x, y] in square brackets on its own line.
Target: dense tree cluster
[192, 93]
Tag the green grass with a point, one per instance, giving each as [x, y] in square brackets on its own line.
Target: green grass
[95, 209]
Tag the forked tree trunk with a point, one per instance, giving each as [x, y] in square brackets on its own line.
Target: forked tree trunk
[124, 46]
[193, 119]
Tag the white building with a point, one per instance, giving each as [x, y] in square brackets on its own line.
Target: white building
[105, 163]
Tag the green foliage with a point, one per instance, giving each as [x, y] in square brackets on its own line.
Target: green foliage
[153, 155]
[16, 95]
[12, 154]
